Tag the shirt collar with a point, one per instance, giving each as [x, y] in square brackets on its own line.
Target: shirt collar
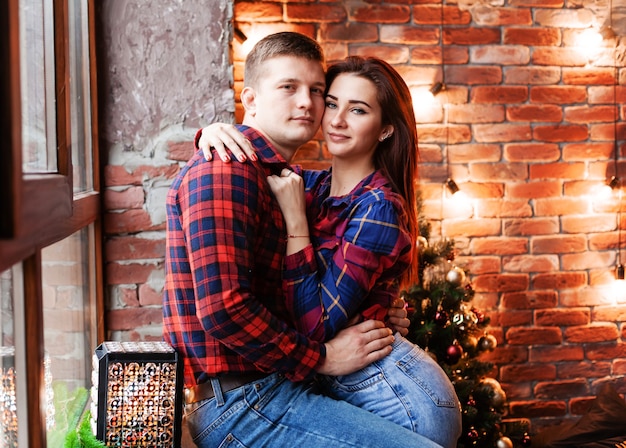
[372, 181]
[265, 150]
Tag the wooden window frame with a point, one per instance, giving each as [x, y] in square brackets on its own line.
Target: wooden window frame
[39, 210]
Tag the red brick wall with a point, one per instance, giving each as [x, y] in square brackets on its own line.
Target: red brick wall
[529, 137]
[154, 93]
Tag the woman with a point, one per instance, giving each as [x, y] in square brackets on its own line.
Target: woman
[351, 244]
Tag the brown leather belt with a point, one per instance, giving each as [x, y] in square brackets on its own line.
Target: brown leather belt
[205, 391]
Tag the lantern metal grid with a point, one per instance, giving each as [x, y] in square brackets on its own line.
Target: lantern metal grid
[137, 394]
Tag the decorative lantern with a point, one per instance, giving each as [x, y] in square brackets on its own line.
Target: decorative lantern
[137, 394]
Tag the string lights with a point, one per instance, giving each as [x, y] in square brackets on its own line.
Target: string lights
[440, 86]
[435, 89]
[8, 396]
[619, 267]
[614, 182]
[240, 35]
[453, 188]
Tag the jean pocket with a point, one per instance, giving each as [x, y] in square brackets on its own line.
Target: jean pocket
[429, 376]
[230, 441]
[354, 382]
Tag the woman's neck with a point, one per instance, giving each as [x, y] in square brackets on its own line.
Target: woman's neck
[346, 174]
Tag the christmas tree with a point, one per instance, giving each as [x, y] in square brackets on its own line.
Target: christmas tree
[446, 325]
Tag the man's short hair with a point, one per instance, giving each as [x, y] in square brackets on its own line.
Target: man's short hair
[286, 43]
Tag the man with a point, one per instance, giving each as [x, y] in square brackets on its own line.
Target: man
[247, 371]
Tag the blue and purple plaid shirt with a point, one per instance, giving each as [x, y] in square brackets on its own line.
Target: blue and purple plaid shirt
[360, 248]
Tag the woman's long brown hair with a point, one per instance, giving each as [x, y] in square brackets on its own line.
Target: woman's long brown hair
[397, 156]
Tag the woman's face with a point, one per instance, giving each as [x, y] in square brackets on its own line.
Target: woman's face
[352, 122]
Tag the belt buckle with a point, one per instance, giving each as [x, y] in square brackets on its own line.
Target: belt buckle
[189, 395]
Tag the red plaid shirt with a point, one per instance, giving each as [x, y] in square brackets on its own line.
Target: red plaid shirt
[223, 308]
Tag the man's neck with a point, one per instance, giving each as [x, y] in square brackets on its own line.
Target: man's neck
[287, 153]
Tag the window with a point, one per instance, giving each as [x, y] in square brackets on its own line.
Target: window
[50, 259]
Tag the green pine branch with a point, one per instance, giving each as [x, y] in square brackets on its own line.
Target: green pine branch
[444, 323]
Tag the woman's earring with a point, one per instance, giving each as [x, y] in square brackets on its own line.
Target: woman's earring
[383, 137]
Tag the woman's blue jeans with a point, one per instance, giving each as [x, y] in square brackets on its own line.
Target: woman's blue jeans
[406, 387]
[274, 412]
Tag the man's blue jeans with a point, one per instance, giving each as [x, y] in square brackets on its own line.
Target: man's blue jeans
[274, 412]
[406, 387]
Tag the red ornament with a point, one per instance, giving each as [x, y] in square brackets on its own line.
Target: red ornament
[479, 315]
[453, 354]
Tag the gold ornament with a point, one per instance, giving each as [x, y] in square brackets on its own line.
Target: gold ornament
[487, 342]
[499, 396]
[456, 276]
[504, 442]
[469, 343]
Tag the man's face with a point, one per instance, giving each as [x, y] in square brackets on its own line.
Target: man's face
[287, 103]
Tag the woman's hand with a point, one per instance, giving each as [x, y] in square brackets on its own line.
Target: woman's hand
[289, 191]
[225, 138]
[398, 316]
